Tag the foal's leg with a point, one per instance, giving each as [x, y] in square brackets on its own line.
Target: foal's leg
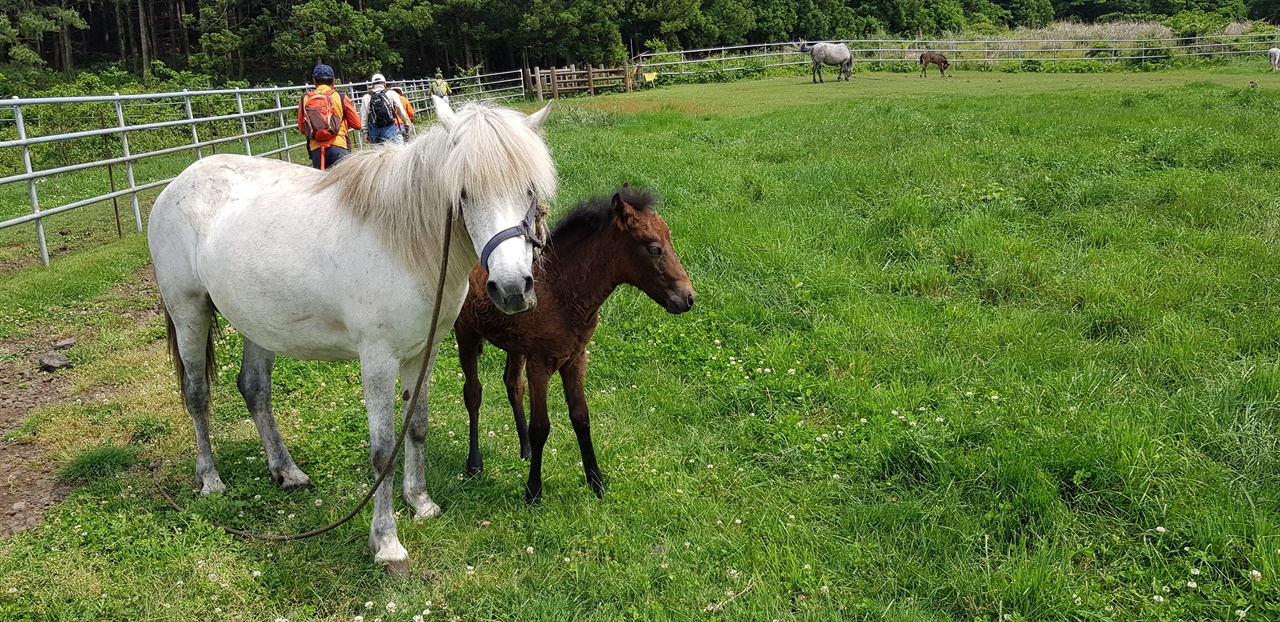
[255, 385]
[573, 374]
[378, 375]
[415, 446]
[189, 323]
[469, 344]
[539, 428]
[513, 376]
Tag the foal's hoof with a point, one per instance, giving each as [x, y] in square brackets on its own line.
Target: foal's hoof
[397, 568]
[474, 470]
[533, 497]
[526, 453]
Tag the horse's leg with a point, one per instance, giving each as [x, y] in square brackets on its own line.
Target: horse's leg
[415, 446]
[539, 428]
[255, 385]
[573, 374]
[816, 71]
[513, 376]
[469, 344]
[378, 376]
[189, 322]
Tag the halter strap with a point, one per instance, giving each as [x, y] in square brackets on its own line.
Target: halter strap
[525, 228]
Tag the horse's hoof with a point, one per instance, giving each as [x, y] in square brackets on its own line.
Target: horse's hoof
[291, 480]
[397, 568]
[533, 497]
[526, 454]
[211, 485]
[475, 470]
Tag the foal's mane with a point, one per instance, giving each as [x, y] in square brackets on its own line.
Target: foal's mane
[590, 216]
[404, 191]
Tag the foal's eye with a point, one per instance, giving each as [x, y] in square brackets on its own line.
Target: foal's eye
[655, 250]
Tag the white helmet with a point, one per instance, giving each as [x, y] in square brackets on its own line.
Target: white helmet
[377, 77]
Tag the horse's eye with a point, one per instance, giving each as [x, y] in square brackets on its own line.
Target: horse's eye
[655, 250]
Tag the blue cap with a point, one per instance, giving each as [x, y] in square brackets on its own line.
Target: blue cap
[322, 72]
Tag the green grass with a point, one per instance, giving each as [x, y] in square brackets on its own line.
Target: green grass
[1064, 285]
[98, 462]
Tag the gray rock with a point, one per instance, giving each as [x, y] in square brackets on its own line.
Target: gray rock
[54, 361]
[65, 344]
[19, 506]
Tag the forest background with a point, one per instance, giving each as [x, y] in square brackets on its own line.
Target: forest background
[92, 45]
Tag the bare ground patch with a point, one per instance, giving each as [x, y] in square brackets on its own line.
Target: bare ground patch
[28, 483]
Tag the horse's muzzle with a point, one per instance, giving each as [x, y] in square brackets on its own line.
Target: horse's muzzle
[679, 302]
[513, 299]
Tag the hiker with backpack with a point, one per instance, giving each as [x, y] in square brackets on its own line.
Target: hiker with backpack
[440, 87]
[403, 125]
[324, 116]
[378, 111]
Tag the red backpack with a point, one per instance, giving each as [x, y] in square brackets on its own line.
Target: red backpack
[320, 122]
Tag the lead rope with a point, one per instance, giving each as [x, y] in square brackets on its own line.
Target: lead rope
[391, 465]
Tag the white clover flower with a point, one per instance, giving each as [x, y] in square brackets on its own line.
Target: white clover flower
[492, 434]
[1158, 598]
[863, 420]
[1191, 584]
[471, 570]
[791, 372]
[806, 567]
[1255, 575]
[938, 419]
[737, 521]
[391, 607]
[1161, 530]
[257, 573]
[13, 590]
[1240, 613]
[1195, 571]
[529, 550]
[450, 433]
[318, 502]
[369, 604]
[217, 609]
[357, 619]
[417, 618]
[566, 560]
[835, 476]
[893, 412]
[968, 393]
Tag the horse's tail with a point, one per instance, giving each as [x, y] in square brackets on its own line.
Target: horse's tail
[210, 355]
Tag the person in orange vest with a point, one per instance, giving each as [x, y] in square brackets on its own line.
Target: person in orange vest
[405, 125]
[324, 117]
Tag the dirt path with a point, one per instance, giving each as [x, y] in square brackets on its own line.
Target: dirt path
[28, 483]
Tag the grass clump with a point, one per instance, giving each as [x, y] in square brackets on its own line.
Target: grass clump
[98, 462]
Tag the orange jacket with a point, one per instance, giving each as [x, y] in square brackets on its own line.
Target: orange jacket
[350, 117]
[408, 109]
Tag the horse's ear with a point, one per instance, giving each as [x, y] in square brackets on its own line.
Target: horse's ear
[621, 210]
[446, 114]
[535, 120]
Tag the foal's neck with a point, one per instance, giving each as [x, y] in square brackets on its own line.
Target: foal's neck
[581, 271]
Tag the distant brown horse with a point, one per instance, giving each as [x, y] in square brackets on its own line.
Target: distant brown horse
[933, 58]
[598, 246]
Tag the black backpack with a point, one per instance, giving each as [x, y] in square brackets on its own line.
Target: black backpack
[381, 112]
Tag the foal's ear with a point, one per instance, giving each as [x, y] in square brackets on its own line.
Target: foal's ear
[534, 121]
[621, 209]
[447, 116]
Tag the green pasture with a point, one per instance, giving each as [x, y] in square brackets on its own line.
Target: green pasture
[997, 347]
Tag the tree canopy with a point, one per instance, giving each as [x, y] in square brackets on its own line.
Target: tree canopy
[278, 40]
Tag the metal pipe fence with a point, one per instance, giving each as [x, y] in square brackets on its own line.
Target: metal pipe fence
[50, 144]
[742, 57]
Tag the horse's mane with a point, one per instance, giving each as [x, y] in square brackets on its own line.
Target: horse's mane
[592, 215]
[404, 191]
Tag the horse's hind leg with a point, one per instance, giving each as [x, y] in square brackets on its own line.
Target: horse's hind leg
[469, 345]
[573, 375]
[513, 376]
[415, 446]
[191, 344]
[254, 383]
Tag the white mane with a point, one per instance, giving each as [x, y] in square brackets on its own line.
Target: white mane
[404, 191]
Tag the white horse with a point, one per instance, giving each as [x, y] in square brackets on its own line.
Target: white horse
[829, 54]
[1273, 55]
[341, 265]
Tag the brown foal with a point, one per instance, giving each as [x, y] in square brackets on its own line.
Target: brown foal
[598, 246]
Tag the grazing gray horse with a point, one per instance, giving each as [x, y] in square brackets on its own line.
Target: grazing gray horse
[829, 54]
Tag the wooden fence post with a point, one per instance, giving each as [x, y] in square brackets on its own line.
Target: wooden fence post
[626, 74]
[537, 81]
[591, 81]
[555, 89]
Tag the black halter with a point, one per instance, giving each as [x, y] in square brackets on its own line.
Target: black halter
[525, 228]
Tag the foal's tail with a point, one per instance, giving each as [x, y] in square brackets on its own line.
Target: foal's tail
[210, 355]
